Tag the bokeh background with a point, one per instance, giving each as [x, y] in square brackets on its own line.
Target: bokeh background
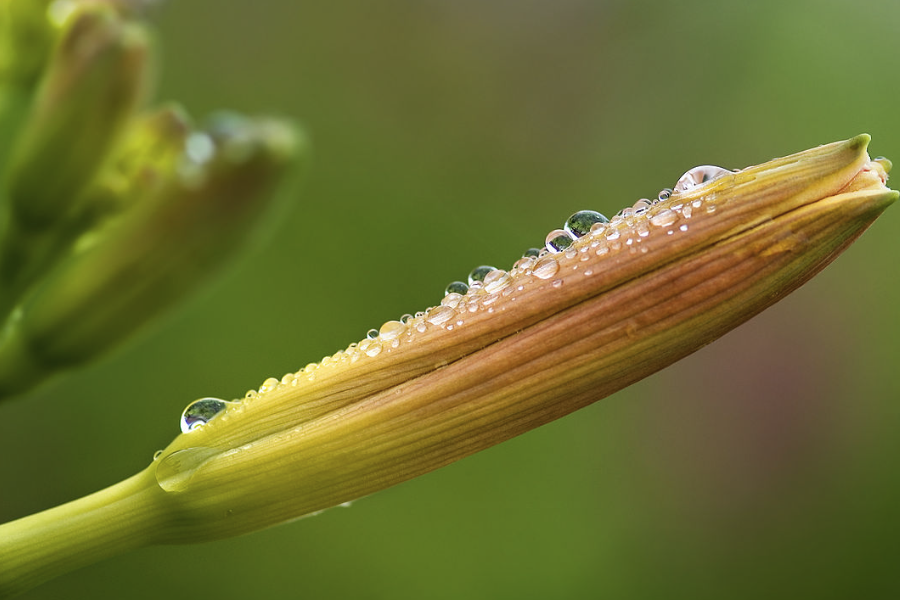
[453, 133]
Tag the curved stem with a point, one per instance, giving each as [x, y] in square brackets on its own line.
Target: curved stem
[122, 517]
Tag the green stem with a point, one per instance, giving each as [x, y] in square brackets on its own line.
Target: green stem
[125, 516]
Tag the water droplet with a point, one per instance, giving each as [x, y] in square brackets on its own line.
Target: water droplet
[581, 222]
[372, 334]
[558, 240]
[157, 454]
[457, 287]
[496, 281]
[200, 412]
[479, 273]
[370, 347]
[533, 252]
[700, 175]
[557, 283]
[439, 315]
[269, 384]
[392, 330]
[641, 205]
[405, 318]
[545, 268]
[524, 264]
[663, 218]
[664, 194]
[451, 300]
[683, 228]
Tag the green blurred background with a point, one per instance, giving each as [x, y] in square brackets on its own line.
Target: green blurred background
[452, 133]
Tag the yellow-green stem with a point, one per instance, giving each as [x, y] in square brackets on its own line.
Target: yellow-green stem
[39, 547]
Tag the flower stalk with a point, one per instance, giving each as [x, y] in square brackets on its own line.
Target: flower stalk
[519, 349]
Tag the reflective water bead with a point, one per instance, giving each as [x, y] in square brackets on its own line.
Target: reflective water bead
[451, 300]
[558, 240]
[391, 330]
[457, 287]
[370, 347]
[545, 268]
[439, 315]
[269, 384]
[664, 218]
[664, 194]
[496, 281]
[372, 334]
[533, 252]
[581, 222]
[641, 205]
[700, 175]
[405, 318]
[479, 273]
[200, 412]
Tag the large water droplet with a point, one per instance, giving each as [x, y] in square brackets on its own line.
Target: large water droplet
[700, 175]
[545, 268]
[457, 287]
[392, 330]
[581, 222]
[439, 315]
[558, 240]
[479, 273]
[200, 412]
[664, 218]
[496, 281]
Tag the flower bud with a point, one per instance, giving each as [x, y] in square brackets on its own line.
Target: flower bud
[520, 348]
[91, 86]
[195, 213]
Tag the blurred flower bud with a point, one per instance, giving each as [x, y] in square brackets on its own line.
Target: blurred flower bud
[194, 213]
[90, 87]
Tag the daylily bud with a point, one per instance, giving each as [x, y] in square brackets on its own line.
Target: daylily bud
[123, 274]
[518, 349]
[91, 86]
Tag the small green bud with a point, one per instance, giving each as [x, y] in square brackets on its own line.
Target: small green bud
[91, 86]
[144, 261]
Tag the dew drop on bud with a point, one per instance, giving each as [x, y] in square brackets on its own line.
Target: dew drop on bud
[558, 240]
[581, 222]
[457, 287]
[200, 412]
[699, 176]
[663, 194]
[531, 252]
[479, 273]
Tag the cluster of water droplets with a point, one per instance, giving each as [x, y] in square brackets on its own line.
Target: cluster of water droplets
[584, 236]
